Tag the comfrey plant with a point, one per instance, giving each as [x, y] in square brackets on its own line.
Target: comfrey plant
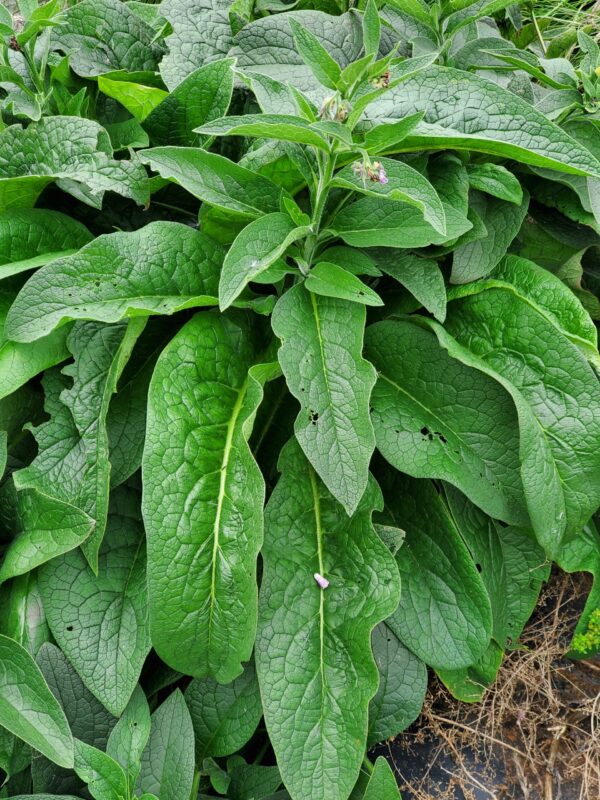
[298, 391]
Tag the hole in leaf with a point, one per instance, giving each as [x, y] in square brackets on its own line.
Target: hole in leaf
[313, 417]
[69, 628]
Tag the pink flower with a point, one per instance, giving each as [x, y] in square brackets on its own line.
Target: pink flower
[323, 582]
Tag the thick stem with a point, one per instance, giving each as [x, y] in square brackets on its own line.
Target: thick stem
[326, 171]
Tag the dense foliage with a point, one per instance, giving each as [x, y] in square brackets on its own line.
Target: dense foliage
[298, 389]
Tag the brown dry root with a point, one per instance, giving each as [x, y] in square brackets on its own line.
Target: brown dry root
[540, 721]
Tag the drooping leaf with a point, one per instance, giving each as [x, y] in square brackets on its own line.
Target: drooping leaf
[201, 33]
[321, 359]
[138, 99]
[402, 686]
[168, 760]
[29, 709]
[256, 247]
[437, 418]
[216, 180]
[444, 615]
[421, 276]
[224, 717]
[72, 462]
[105, 35]
[314, 665]
[101, 621]
[75, 152]
[203, 509]
[160, 269]
[484, 117]
[201, 97]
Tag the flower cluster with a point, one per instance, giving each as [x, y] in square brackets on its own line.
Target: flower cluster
[370, 171]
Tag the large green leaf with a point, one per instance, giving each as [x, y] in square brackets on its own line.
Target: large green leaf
[437, 418]
[556, 393]
[511, 563]
[105, 35]
[89, 720]
[402, 686]
[168, 760]
[72, 463]
[160, 269]
[320, 356]
[30, 237]
[75, 152]
[215, 180]
[101, 621]
[201, 33]
[29, 709]
[203, 507]
[314, 664]
[465, 111]
[444, 615]
[203, 96]
[224, 717]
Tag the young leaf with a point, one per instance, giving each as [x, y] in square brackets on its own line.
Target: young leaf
[385, 137]
[75, 152]
[402, 686]
[403, 183]
[203, 96]
[320, 355]
[326, 70]
[464, 110]
[371, 28]
[496, 180]
[201, 33]
[216, 180]
[311, 638]
[160, 269]
[168, 760]
[471, 442]
[129, 737]
[258, 245]
[29, 709]
[382, 783]
[470, 683]
[330, 280]
[224, 717]
[271, 126]
[203, 511]
[251, 781]
[138, 99]
[104, 777]
[104, 614]
[444, 615]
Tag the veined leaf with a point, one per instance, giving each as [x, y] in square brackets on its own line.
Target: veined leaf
[72, 462]
[105, 35]
[160, 269]
[271, 126]
[437, 418]
[404, 184]
[129, 737]
[386, 136]
[29, 709]
[201, 33]
[104, 777]
[201, 97]
[421, 276]
[104, 614]
[138, 99]
[382, 783]
[485, 118]
[256, 247]
[321, 359]
[314, 665]
[215, 180]
[444, 615]
[75, 152]
[496, 180]
[224, 717]
[168, 760]
[325, 69]
[469, 684]
[331, 280]
[23, 618]
[203, 509]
